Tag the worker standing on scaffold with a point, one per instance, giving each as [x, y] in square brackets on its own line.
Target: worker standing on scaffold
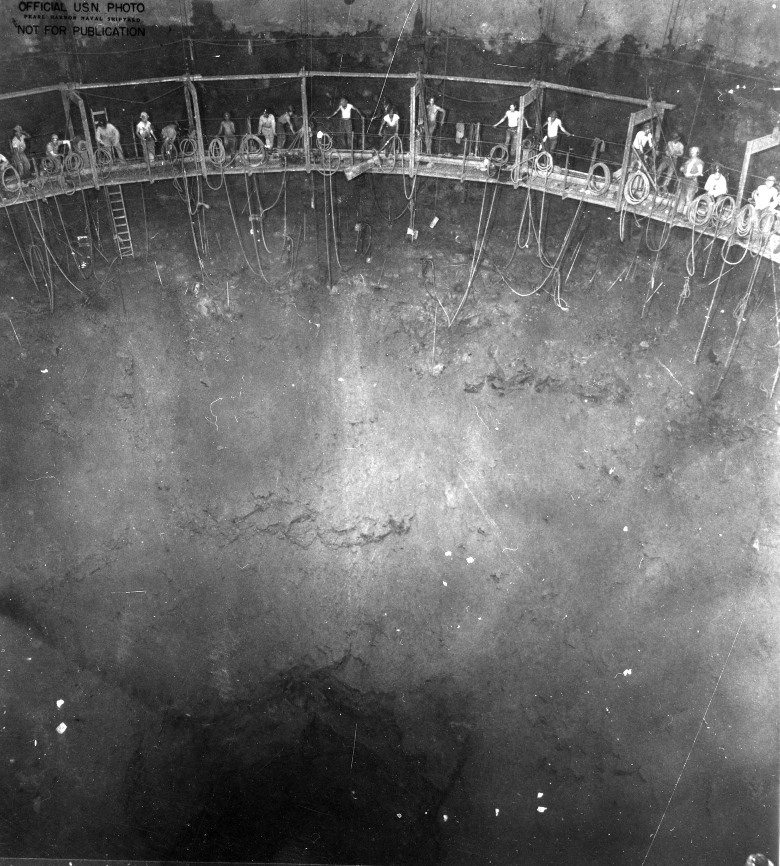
[227, 132]
[553, 128]
[169, 134]
[56, 150]
[390, 122]
[266, 128]
[432, 114]
[643, 148]
[692, 170]
[286, 127]
[145, 132]
[19, 146]
[346, 132]
[107, 136]
[514, 126]
[667, 167]
[716, 185]
[765, 195]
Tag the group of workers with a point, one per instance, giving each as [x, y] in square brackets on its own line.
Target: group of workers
[669, 173]
[688, 175]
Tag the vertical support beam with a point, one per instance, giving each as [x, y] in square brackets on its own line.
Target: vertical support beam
[65, 94]
[188, 109]
[636, 118]
[413, 130]
[632, 121]
[200, 151]
[529, 98]
[87, 137]
[305, 112]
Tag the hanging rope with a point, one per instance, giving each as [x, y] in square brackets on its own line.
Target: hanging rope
[709, 310]
[192, 230]
[479, 246]
[258, 273]
[703, 721]
[52, 258]
[19, 246]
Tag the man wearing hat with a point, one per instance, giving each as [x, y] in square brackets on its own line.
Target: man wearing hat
[266, 128]
[107, 136]
[667, 168]
[56, 149]
[765, 195]
[19, 146]
[716, 184]
[145, 131]
[643, 147]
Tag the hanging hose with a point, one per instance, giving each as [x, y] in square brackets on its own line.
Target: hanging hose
[252, 151]
[517, 244]
[724, 212]
[327, 242]
[260, 272]
[701, 212]
[745, 220]
[333, 223]
[479, 247]
[19, 247]
[66, 242]
[52, 258]
[387, 155]
[11, 182]
[390, 219]
[192, 230]
[740, 313]
[637, 188]
[38, 263]
[709, 311]
[593, 184]
[73, 163]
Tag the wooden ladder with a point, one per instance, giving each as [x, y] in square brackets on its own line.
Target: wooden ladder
[116, 205]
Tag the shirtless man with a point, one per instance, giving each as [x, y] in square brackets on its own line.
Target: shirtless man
[227, 132]
[433, 113]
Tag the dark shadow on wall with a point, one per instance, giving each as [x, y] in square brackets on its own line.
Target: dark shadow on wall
[314, 771]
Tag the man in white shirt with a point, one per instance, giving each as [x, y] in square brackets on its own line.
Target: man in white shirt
[345, 136]
[390, 122]
[145, 132]
[266, 128]
[716, 184]
[514, 122]
[107, 137]
[765, 195]
[691, 172]
[553, 128]
[643, 147]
